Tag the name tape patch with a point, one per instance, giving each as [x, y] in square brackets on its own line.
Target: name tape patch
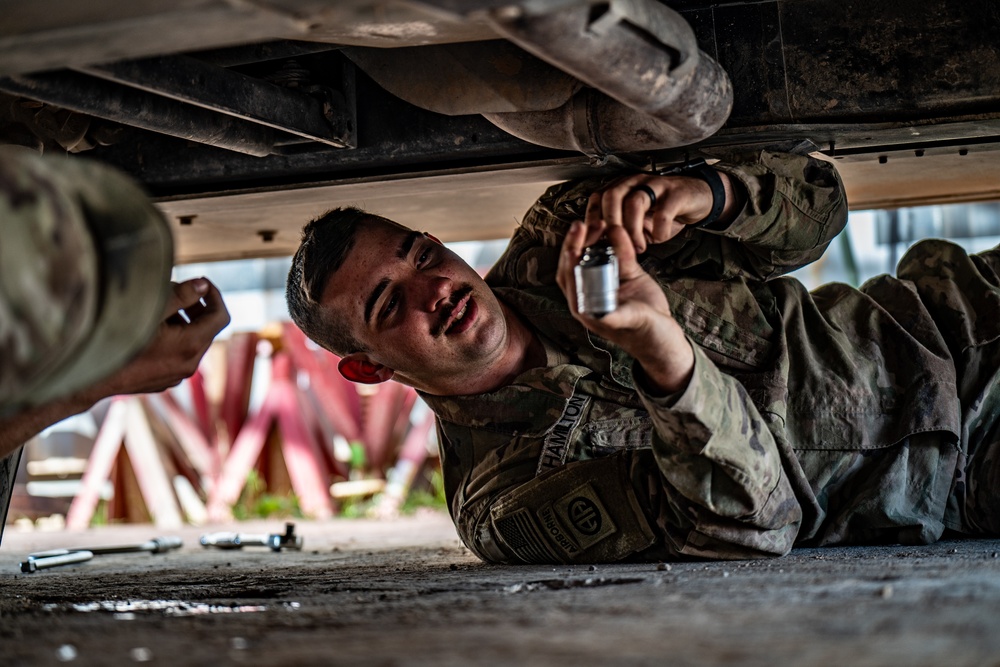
[556, 444]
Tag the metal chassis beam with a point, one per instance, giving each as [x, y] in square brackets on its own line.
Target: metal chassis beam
[102, 99]
[204, 85]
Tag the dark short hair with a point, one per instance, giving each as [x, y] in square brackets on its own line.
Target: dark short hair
[326, 243]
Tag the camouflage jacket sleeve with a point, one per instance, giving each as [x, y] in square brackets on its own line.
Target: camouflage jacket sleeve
[726, 493]
[795, 206]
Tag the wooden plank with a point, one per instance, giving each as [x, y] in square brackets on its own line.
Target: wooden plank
[149, 469]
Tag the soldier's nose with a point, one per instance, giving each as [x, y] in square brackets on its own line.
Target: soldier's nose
[437, 293]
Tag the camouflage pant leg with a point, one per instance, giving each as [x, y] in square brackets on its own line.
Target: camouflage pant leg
[962, 293]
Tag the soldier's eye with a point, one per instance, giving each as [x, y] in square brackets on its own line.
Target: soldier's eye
[390, 306]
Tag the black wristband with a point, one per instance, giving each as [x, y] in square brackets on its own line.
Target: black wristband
[699, 169]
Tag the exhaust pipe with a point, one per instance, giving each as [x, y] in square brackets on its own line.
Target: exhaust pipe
[613, 77]
[637, 52]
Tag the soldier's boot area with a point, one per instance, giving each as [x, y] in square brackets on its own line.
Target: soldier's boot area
[85, 264]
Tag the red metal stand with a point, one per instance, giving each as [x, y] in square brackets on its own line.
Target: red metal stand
[338, 396]
[126, 423]
[302, 454]
[377, 420]
[195, 446]
[241, 353]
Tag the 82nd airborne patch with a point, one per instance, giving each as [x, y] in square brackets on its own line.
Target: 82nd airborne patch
[576, 521]
[582, 512]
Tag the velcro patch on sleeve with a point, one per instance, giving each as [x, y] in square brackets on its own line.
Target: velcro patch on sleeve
[584, 512]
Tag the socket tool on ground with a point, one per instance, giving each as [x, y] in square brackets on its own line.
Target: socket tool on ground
[274, 541]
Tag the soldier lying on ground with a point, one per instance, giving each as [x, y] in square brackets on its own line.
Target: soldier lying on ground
[86, 305]
[722, 411]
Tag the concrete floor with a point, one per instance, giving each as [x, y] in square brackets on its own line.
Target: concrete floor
[406, 592]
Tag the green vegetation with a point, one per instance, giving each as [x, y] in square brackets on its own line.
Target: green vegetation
[256, 503]
[430, 495]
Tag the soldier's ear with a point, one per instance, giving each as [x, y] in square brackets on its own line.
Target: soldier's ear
[433, 238]
[357, 367]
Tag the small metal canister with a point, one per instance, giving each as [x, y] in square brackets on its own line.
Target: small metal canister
[597, 281]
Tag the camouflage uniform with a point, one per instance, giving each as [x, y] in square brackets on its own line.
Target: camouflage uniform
[837, 416]
[85, 264]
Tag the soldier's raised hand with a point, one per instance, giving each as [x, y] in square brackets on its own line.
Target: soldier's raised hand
[177, 349]
[642, 324]
[654, 209]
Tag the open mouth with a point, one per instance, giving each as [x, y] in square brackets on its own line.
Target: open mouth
[462, 314]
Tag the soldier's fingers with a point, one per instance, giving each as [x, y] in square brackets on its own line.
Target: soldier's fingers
[572, 249]
[186, 294]
[624, 248]
[185, 300]
[210, 315]
[173, 302]
[611, 202]
[594, 219]
[192, 341]
[635, 217]
[628, 203]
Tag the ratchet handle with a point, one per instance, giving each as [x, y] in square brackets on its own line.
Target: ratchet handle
[34, 564]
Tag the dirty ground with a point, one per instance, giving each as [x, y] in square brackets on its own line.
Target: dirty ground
[405, 592]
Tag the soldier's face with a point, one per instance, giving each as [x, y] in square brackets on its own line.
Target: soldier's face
[420, 310]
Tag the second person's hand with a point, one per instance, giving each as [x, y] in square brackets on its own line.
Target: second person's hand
[178, 346]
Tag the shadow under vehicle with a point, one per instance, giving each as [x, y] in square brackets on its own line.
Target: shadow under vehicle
[245, 119]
